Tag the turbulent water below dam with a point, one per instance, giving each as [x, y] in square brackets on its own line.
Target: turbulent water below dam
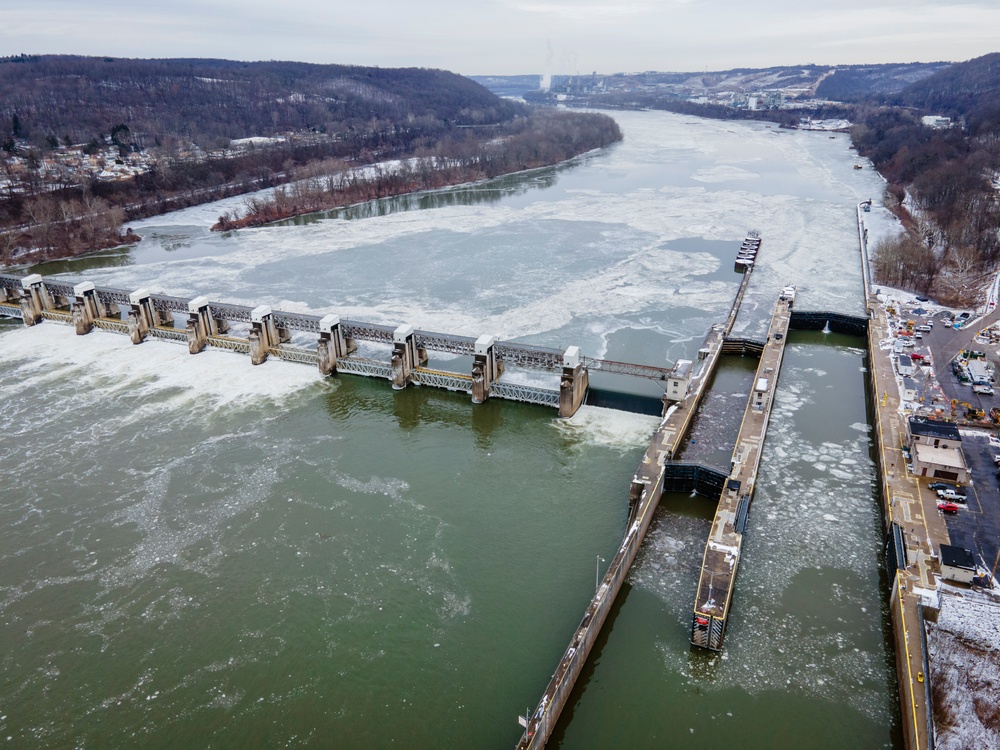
[202, 553]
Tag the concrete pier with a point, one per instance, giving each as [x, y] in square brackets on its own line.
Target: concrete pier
[485, 368]
[404, 357]
[725, 541]
[573, 384]
[140, 316]
[33, 299]
[331, 346]
[200, 324]
[262, 334]
[85, 309]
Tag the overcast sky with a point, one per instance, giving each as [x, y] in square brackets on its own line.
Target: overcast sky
[512, 36]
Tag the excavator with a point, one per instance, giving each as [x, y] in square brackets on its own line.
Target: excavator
[971, 412]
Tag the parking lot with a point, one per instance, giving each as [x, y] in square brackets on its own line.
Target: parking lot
[976, 526]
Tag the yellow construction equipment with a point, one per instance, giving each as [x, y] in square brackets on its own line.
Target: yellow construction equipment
[971, 412]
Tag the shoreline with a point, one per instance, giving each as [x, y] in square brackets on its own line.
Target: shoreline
[245, 223]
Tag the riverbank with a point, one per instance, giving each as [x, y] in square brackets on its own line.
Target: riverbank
[18, 258]
[547, 139]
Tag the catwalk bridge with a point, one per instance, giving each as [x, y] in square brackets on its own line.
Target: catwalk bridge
[329, 343]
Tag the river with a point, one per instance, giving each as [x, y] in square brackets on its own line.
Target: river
[199, 552]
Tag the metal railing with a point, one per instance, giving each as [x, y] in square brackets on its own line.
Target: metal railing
[626, 368]
[238, 313]
[534, 357]
[367, 331]
[110, 324]
[233, 345]
[295, 354]
[62, 290]
[297, 321]
[168, 334]
[527, 393]
[11, 311]
[112, 296]
[363, 366]
[443, 342]
[168, 304]
[57, 315]
[450, 381]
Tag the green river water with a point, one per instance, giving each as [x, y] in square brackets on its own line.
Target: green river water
[201, 553]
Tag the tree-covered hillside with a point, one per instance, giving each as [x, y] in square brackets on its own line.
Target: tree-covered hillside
[858, 83]
[211, 101]
[948, 172]
[969, 91]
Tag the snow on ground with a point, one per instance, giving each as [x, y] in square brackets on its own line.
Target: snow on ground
[825, 125]
[964, 648]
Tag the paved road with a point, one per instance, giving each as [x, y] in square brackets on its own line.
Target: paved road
[951, 342]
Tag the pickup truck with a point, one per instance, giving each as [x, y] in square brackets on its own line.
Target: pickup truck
[951, 495]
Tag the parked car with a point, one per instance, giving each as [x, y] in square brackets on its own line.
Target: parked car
[985, 390]
[924, 329]
[917, 357]
[994, 441]
[940, 486]
[947, 507]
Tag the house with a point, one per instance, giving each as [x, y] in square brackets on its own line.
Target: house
[679, 379]
[936, 121]
[909, 390]
[936, 450]
[957, 564]
[904, 365]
